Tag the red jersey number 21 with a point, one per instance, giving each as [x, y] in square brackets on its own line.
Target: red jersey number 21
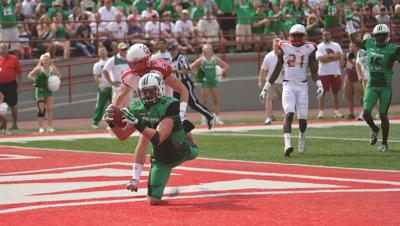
[292, 60]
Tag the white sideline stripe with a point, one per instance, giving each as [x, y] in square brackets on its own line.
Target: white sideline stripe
[60, 104]
[18, 209]
[195, 131]
[280, 136]
[214, 159]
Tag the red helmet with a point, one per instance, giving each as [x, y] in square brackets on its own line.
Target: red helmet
[138, 57]
[297, 34]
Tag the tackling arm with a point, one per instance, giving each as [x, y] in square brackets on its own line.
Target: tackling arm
[123, 93]
[178, 86]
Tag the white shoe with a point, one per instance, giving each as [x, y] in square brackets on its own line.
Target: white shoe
[94, 126]
[383, 148]
[7, 132]
[218, 121]
[320, 115]
[133, 185]
[377, 116]
[337, 114]
[268, 121]
[287, 151]
[302, 143]
[50, 130]
[42, 130]
[203, 121]
[360, 117]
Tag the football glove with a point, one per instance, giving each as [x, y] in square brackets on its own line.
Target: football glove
[320, 88]
[266, 90]
[128, 117]
[182, 110]
[109, 113]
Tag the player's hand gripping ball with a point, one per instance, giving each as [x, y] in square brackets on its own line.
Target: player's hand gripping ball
[113, 115]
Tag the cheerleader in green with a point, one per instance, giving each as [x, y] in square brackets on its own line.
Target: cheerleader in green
[43, 96]
[207, 64]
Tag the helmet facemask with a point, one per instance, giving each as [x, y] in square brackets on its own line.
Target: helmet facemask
[150, 95]
[381, 39]
[297, 39]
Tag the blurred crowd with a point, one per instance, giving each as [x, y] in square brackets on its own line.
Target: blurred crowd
[55, 26]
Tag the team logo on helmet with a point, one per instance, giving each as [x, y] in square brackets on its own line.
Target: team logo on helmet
[381, 34]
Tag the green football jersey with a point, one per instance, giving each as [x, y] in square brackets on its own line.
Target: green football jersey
[177, 145]
[8, 15]
[380, 62]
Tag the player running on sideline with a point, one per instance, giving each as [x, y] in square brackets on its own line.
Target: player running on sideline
[139, 63]
[157, 118]
[381, 57]
[295, 56]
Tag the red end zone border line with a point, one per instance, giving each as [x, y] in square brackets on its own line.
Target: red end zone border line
[63, 187]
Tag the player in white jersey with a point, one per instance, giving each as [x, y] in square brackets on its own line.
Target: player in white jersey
[295, 56]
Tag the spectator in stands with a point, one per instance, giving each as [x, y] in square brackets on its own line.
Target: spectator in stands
[133, 13]
[162, 51]
[104, 92]
[43, 96]
[244, 11]
[141, 5]
[197, 13]
[149, 12]
[329, 54]
[267, 67]
[101, 33]
[58, 7]
[135, 30]
[168, 28]
[352, 85]
[25, 50]
[84, 37]
[383, 17]
[152, 30]
[115, 66]
[276, 25]
[378, 7]
[8, 22]
[125, 7]
[3, 118]
[209, 29]
[332, 14]
[368, 18]
[74, 21]
[43, 42]
[89, 5]
[107, 12]
[259, 23]
[357, 16]
[225, 16]
[119, 31]
[207, 64]
[313, 27]
[28, 7]
[10, 80]
[184, 29]
[396, 22]
[59, 36]
[40, 11]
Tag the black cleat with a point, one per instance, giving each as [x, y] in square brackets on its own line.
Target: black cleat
[374, 137]
[211, 122]
[288, 151]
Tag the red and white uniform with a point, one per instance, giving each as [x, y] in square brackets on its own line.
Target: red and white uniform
[131, 78]
[295, 87]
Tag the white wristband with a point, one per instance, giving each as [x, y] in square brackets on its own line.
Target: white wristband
[182, 107]
[318, 83]
[350, 27]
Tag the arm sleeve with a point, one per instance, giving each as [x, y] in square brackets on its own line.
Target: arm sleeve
[173, 109]
[264, 64]
[109, 65]
[96, 69]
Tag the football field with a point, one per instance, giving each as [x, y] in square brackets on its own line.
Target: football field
[240, 177]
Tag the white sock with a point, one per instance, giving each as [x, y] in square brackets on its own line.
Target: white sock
[136, 171]
[287, 137]
[302, 135]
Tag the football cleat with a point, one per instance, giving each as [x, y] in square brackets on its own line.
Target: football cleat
[133, 185]
[268, 121]
[337, 114]
[320, 115]
[42, 130]
[288, 151]
[302, 144]
[211, 122]
[383, 148]
[50, 130]
[374, 137]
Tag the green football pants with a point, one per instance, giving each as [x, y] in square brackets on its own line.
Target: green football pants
[103, 96]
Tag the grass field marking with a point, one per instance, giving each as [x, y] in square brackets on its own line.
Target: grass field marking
[216, 159]
[19, 209]
[281, 136]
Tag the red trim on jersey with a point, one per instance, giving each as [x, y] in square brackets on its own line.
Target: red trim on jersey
[126, 73]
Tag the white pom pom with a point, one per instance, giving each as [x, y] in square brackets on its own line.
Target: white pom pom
[53, 83]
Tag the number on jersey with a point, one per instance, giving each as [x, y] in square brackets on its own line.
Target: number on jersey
[292, 60]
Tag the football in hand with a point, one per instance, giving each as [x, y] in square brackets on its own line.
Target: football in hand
[117, 119]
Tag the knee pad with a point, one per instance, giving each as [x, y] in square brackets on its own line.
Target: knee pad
[41, 113]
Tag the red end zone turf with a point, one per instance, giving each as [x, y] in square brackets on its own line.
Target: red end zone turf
[77, 188]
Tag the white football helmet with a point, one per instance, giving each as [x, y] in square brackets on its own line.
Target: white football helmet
[138, 53]
[151, 88]
[297, 34]
[381, 33]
